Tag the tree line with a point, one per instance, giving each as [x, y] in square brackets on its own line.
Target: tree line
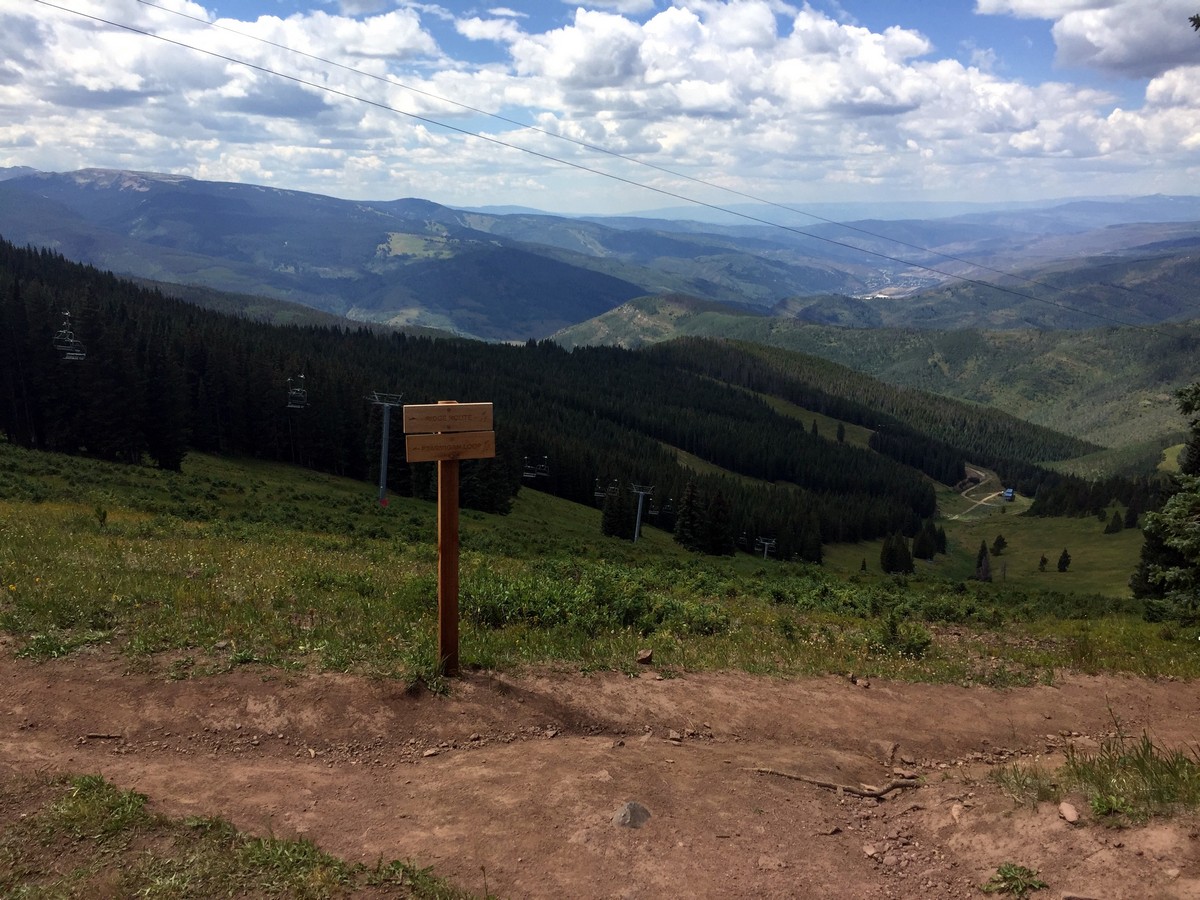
[161, 377]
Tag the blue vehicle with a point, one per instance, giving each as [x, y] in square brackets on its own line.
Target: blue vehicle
[1010, 495]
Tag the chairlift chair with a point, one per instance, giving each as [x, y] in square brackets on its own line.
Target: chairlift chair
[65, 342]
[297, 396]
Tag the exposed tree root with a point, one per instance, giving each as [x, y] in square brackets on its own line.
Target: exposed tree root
[875, 792]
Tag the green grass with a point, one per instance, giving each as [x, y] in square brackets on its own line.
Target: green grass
[1170, 458]
[1128, 779]
[1100, 563]
[1017, 881]
[238, 563]
[82, 836]
[1125, 780]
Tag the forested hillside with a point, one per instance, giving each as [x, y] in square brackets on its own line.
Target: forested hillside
[160, 377]
[1111, 386]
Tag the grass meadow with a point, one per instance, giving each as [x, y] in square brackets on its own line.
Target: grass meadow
[235, 562]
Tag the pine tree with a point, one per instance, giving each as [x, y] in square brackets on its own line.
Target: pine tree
[718, 527]
[895, 558]
[1115, 524]
[1042, 563]
[1064, 560]
[903, 558]
[998, 545]
[1131, 516]
[688, 518]
[841, 433]
[983, 564]
[810, 539]
[925, 543]
[617, 519]
[887, 555]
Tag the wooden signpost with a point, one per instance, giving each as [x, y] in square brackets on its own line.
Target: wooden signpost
[447, 432]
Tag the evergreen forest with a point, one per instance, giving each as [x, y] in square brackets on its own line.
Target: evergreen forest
[155, 377]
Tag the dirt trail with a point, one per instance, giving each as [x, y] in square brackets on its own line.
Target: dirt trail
[515, 779]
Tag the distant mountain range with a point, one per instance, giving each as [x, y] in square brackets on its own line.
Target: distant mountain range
[516, 275]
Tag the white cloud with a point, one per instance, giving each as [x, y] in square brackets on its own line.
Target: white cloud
[624, 7]
[771, 99]
[502, 30]
[1129, 38]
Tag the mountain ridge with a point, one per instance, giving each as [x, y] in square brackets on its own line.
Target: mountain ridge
[413, 261]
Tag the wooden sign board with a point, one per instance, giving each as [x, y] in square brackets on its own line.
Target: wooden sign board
[444, 417]
[453, 445]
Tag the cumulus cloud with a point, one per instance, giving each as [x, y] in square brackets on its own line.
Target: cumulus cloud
[1132, 38]
[773, 99]
[625, 7]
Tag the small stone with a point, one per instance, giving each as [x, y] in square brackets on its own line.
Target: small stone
[432, 751]
[1068, 812]
[631, 815]
[891, 859]
[869, 850]
[956, 812]
[674, 735]
[645, 657]
[552, 732]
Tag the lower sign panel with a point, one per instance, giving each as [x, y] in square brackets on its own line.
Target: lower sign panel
[456, 445]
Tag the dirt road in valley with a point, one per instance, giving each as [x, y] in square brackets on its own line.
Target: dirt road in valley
[512, 780]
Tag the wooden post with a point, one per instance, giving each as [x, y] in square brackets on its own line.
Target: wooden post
[447, 477]
[447, 432]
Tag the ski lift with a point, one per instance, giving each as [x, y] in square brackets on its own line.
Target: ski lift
[297, 396]
[66, 343]
[765, 544]
[533, 471]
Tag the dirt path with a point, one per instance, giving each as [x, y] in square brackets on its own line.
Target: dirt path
[984, 478]
[516, 779]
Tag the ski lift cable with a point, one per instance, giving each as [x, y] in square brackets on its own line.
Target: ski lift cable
[600, 172]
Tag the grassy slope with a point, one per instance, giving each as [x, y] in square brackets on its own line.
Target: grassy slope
[236, 562]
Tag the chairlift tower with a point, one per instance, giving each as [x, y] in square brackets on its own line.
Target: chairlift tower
[388, 402]
[643, 491]
[765, 544]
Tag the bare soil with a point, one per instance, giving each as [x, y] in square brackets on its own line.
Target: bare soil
[511, 782]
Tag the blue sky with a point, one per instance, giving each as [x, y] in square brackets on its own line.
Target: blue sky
[830, 100]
